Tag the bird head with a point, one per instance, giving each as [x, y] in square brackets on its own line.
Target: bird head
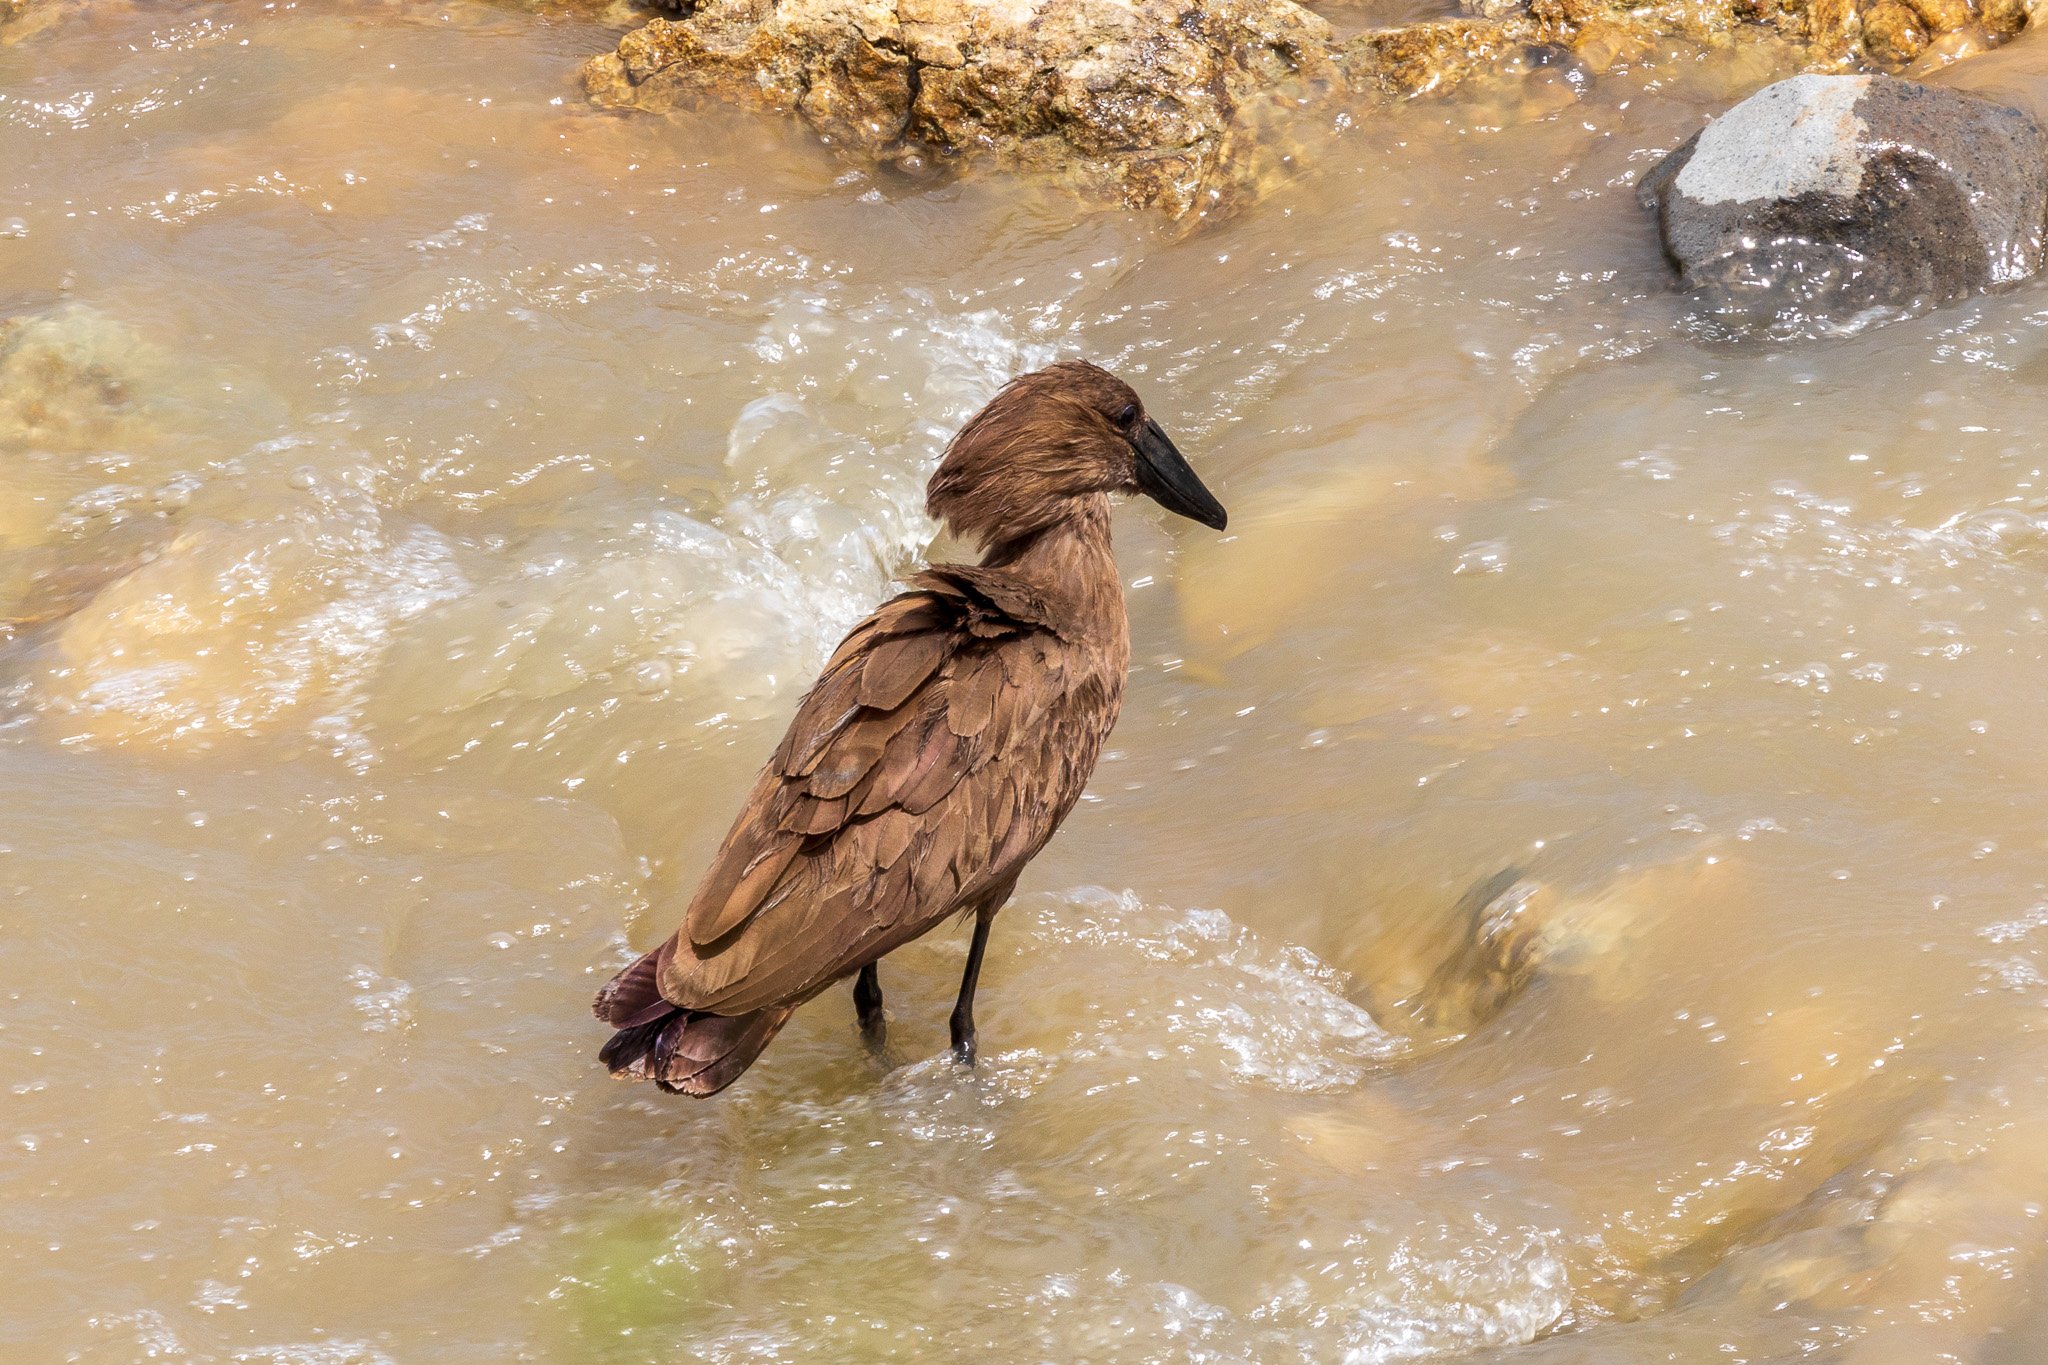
[1051, 440]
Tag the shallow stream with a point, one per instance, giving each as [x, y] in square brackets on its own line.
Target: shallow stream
[426, 497]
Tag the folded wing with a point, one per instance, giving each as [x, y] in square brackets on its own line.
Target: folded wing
[937, 752]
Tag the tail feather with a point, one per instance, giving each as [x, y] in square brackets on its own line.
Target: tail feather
[633, 997]
[685, 1052]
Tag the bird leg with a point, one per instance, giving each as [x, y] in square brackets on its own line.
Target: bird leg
[867, 1004]
[963, 1008]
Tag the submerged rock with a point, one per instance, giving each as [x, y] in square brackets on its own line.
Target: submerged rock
[65, 375]
[1150, 103]
[1512, 930]
[74, 379]
[20, 18]
[1827, 199]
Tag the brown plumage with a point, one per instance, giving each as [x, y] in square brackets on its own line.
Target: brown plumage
[946, 740]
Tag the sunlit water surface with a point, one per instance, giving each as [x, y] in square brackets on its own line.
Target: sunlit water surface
[425, 499]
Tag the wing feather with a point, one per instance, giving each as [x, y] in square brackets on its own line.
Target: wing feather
[813, 815]
[898, 666]
[941, 763]
[852, 754]
[973, 699]
[832, 705]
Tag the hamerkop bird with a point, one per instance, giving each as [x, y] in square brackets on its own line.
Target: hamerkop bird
[949, 735]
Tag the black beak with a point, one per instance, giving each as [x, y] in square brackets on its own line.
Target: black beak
[1164, 474]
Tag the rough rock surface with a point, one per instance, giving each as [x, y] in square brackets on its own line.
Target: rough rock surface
[1146, 102]
[1175, 104]
[24, 19]
[1435, 56]
[1821, 198]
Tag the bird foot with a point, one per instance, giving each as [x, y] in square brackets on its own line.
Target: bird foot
[874, 1029]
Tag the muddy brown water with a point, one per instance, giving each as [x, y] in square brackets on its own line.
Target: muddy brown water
[425, 499]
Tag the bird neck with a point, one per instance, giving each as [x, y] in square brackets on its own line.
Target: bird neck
[1069, 563]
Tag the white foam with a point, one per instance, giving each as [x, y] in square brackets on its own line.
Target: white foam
[235, 627]
[1273, 1014]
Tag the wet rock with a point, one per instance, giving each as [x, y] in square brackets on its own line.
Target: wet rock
[1436, 56]
[1176, 104]
[1951, 47]
[20, 18]
[64, 375]
[1893, 33]
[1495, 957]
[2005, 18]
[73, 379]
[1825, 200]
[1148, 103]
[1512, 930]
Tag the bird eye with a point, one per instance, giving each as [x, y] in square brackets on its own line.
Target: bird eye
[1128, 415]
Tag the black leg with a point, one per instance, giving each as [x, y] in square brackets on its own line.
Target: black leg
[963, 1009]
[867, 1003]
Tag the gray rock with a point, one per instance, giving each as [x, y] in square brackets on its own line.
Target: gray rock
[1822, 202]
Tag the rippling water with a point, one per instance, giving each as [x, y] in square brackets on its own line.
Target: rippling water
[1569, 883]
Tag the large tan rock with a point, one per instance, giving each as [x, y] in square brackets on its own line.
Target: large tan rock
[1149, 103]
[1183, 105]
